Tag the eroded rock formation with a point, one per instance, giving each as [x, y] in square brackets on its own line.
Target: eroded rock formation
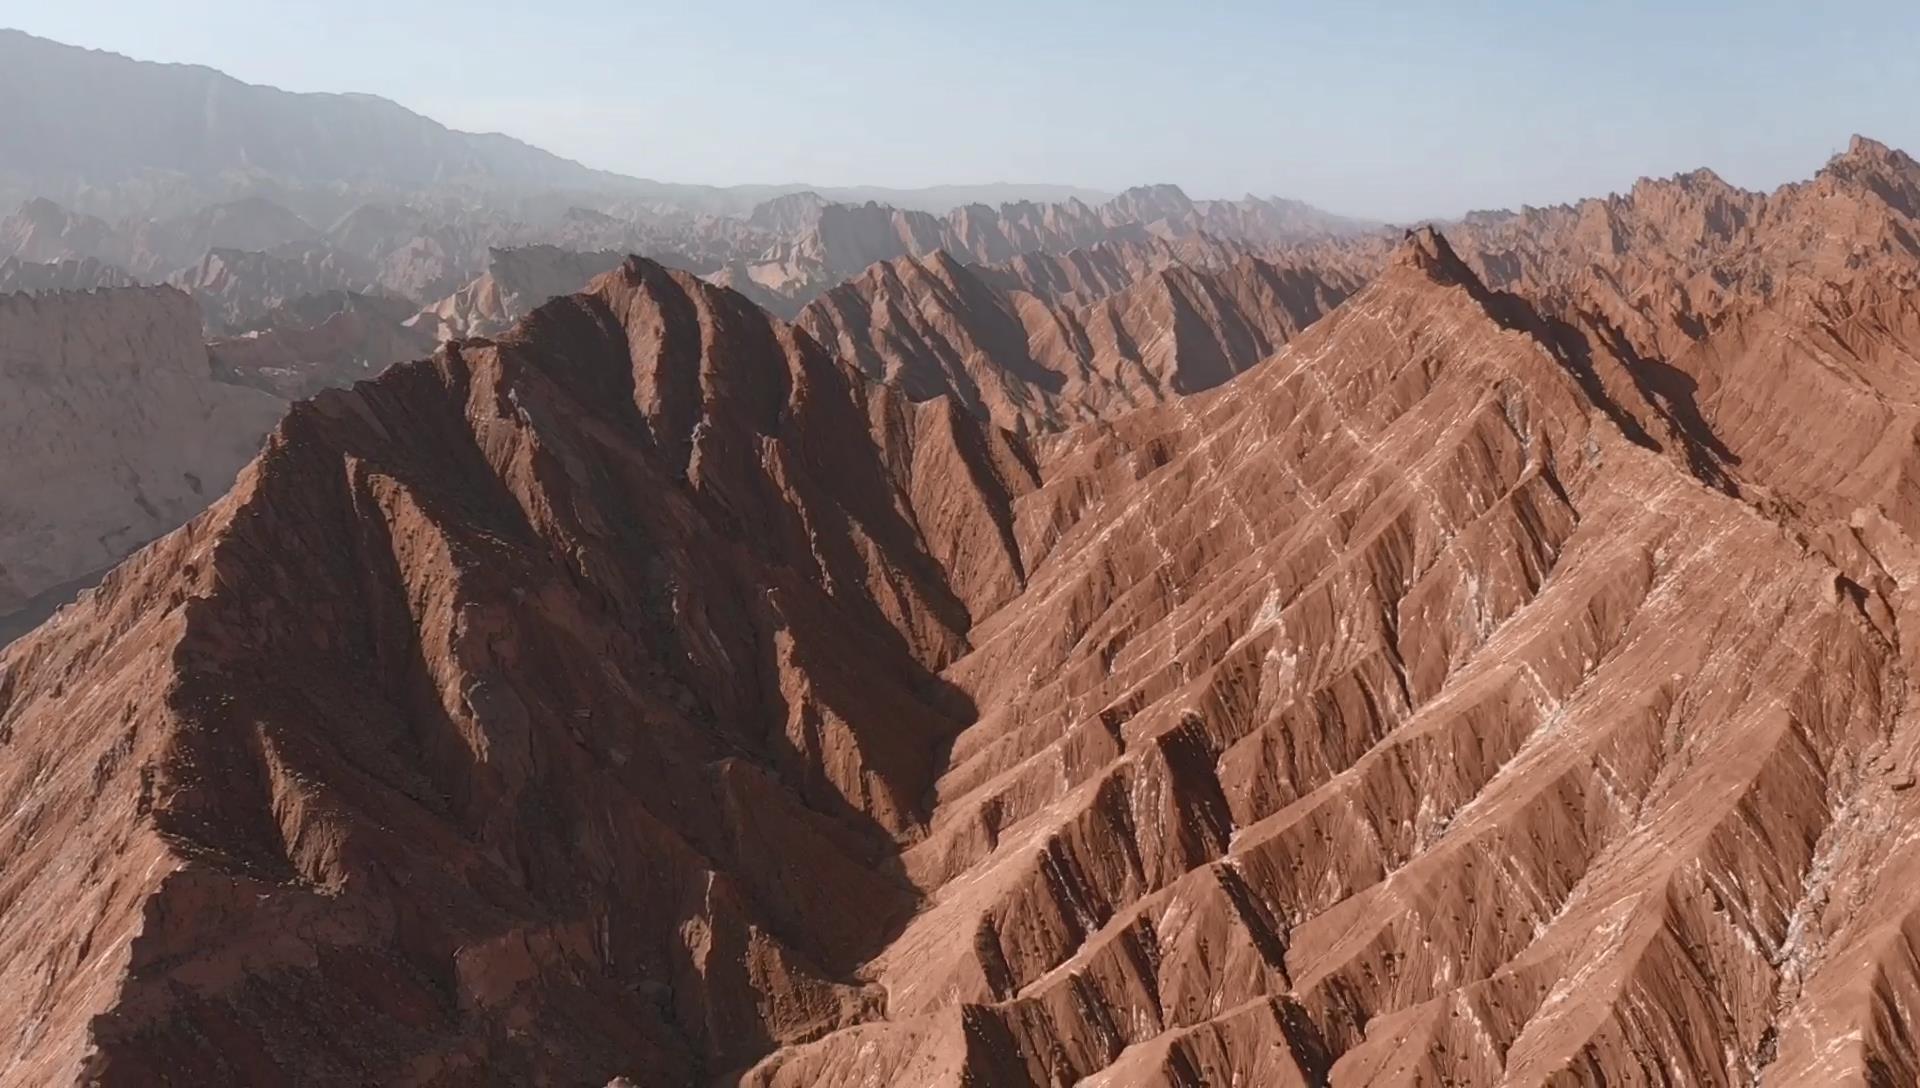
[1164, 328]
[646, 695]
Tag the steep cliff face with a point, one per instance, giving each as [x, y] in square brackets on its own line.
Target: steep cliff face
[115, 432]
[1149, 663]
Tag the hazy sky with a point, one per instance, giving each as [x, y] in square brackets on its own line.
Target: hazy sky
[1389, 110]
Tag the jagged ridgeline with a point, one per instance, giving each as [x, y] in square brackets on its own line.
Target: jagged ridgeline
[647, 694]
[1084, 640]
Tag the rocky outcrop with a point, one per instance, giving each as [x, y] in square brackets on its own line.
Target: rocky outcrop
[1410, 710]
[1668, 261]
[115, 432]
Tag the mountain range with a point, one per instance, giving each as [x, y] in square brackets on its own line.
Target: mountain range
[1139, 642]
[124, 134]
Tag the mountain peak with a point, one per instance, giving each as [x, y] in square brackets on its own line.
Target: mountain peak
[1426, 250]
[1867, 146]
[1865, 154]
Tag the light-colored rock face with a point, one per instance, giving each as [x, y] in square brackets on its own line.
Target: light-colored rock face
[114, 430]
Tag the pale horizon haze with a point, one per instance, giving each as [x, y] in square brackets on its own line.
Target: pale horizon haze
[1389, 111]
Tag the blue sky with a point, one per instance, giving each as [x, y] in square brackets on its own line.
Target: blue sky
[1393, 110]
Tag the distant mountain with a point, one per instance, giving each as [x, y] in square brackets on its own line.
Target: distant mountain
[839, 241]
[85, 115]
[131, 135]
[940, 199]
[35, 277]
[320, 340]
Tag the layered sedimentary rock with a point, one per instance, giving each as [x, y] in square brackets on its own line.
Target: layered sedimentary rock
[611, 686]
[1428, 705]
[115, 431]
[1452, 697]
[1152, 662]
[935, 327]
[1667, 261]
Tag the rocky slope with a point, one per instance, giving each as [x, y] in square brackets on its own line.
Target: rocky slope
[1455, 697]
[1429, 706]
[115, 432]
[935, 327]
[529, 785]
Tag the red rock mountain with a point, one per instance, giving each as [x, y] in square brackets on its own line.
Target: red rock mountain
[844, 239]
[1084, 669]
[1457, 696]
[612, 688]
[935, 327]
[1666, 262]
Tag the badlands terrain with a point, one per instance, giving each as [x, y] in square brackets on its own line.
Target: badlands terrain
[596, 632]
